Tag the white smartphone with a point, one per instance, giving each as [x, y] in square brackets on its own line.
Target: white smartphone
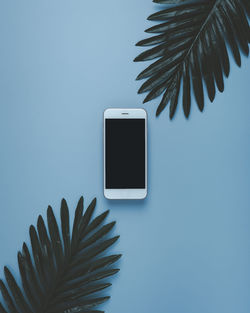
[125, 153]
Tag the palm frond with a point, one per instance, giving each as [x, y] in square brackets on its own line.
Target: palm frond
[65, 272]
[191, 47]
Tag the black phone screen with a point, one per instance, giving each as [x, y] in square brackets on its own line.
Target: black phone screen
[125, 153]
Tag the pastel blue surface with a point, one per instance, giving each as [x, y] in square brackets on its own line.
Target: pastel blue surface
[186, 248]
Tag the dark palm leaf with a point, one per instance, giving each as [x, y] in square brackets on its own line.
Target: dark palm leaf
[191, 46]
[66, 271]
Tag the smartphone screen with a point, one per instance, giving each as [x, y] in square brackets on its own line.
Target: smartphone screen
[125, 153]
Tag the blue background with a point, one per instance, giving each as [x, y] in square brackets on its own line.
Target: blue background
[187, 246]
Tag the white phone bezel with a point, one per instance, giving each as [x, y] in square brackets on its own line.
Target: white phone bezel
[125, 193]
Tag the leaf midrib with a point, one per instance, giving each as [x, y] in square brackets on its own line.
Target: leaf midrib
[200, 31]
[204, 24]
[60, 273]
